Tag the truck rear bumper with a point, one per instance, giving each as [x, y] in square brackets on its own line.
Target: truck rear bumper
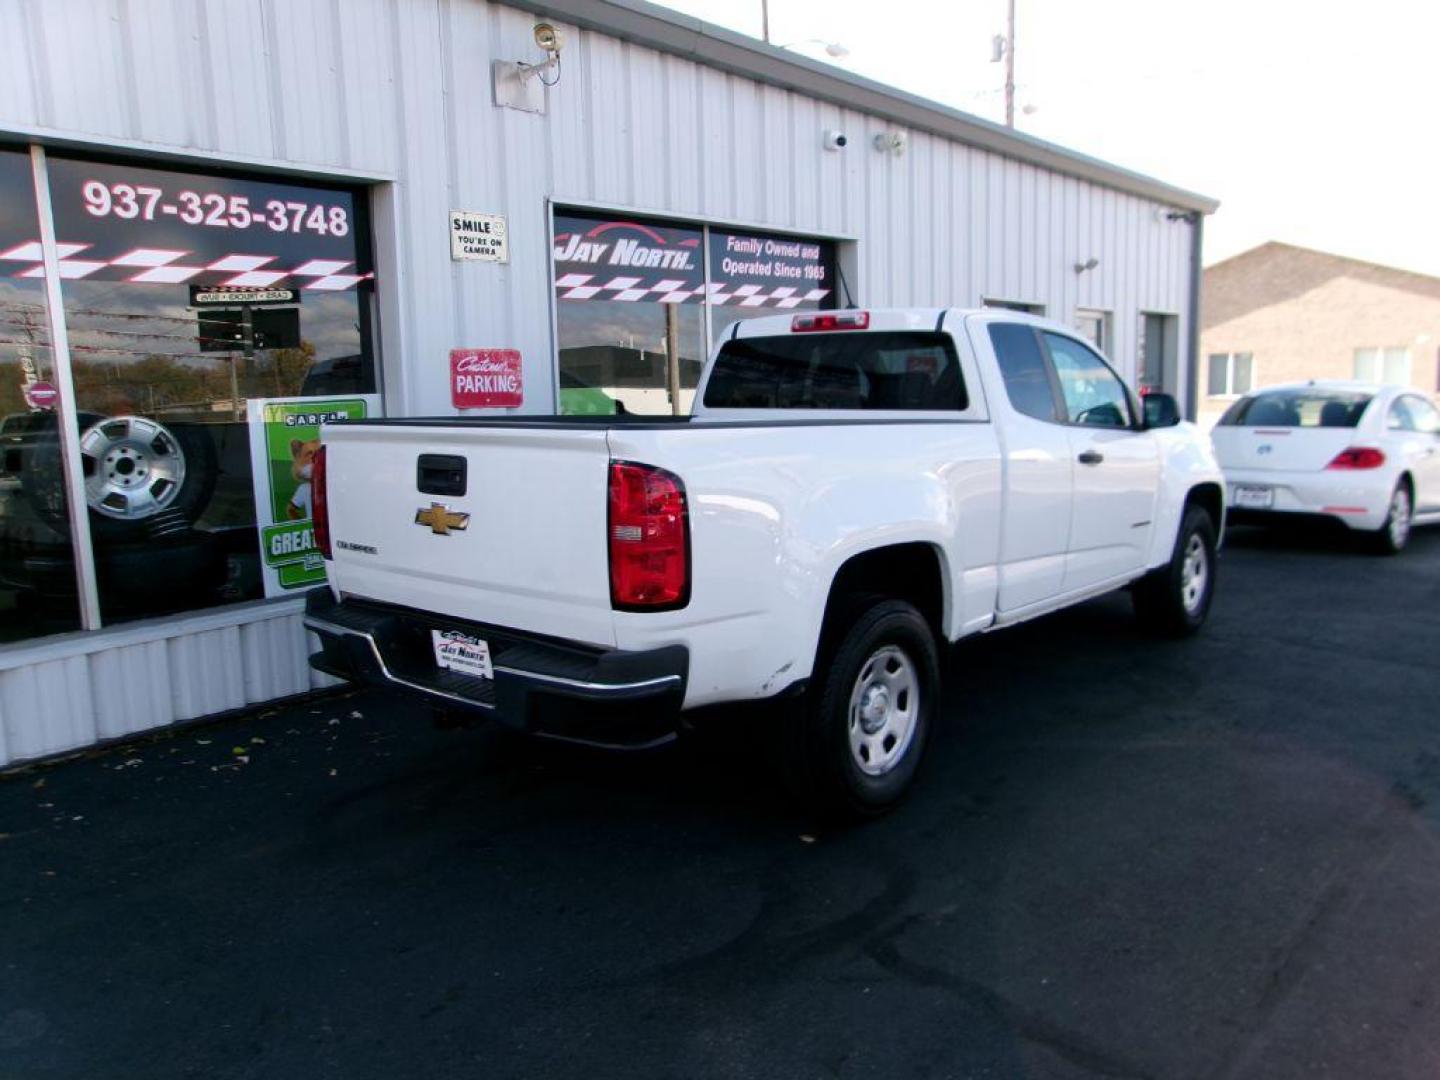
[547, 687]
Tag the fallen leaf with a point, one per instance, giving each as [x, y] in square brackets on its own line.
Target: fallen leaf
[48, 873]
[333, 721]
[257, 739]
[806, 838]
[243, 759]
[334, 772]
[356, 715]
[39, 783]
[204, 742]
[131, 762]
[237, 749]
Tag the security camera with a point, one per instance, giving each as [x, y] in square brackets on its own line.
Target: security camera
[835, 140]
[549, 38]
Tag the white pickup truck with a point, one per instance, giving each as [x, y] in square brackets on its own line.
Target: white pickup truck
[853, 489]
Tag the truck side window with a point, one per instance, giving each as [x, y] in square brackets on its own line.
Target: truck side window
[891, 370]
[1022, 365]
[1094, 395]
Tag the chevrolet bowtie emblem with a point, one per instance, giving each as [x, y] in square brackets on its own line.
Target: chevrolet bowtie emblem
[442, 520]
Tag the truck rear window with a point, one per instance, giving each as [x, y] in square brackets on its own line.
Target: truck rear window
[846, 370]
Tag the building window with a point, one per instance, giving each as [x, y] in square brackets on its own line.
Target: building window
[38, 585]
[1383, 366]
[1231, 374]
[1094, 327]
[635, 297]
[1156, 351]
[189, 299]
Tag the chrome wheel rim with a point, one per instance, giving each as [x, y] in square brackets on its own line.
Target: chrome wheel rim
[1194, 574]
[884, 707]
[134, 467]
[1399, 517]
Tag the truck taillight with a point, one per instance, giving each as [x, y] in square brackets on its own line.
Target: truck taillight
[649, 538]
[1358, 457]
[830, 320]
[320, 503]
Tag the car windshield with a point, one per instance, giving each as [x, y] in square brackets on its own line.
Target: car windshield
[1307, 407]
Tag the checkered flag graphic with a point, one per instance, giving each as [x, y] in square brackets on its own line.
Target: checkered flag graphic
[164, 266]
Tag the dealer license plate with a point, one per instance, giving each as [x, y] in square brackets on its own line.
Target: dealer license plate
[463, 653]
[1250, 497]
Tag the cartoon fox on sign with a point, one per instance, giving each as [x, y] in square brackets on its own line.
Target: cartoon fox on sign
[302, 465]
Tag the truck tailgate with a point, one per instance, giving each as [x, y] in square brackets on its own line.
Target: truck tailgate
[532, 555]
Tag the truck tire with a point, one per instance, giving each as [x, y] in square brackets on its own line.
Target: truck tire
[1391, 538]
[853, 746]
[184, 454]
[1173, 600]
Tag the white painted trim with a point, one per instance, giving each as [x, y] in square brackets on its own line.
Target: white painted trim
[144, 631]
[559, 203]
[77, 505]
[165, 154]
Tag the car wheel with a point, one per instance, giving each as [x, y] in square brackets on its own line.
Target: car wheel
[1174, 600]
[143, 479]
[1391, 538]
[855, 743]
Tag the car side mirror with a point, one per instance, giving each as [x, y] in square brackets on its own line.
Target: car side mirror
[1161, 410]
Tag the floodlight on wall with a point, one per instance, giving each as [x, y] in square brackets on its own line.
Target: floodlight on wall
[521, 85]
[1089, 264]
[891, 142]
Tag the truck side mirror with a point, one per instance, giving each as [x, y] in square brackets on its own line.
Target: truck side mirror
[1161, 410]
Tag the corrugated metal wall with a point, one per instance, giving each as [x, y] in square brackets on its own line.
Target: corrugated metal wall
[64, 693]
[401, 89]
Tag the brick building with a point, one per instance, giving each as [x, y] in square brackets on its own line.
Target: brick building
[1278, 313]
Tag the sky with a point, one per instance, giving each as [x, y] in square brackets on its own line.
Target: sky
[1313, 123]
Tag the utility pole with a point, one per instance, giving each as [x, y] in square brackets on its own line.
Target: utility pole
[765, 21]
[1009, 63]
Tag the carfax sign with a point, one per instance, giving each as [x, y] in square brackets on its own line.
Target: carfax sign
[284, 436]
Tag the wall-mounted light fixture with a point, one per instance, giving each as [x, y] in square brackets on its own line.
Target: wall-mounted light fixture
[519, 85]
[1089, 264]
[891, 142]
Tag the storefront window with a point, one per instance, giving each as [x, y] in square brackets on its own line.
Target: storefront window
[38, 592]
[631, 325]
[633, 298]
[187, 296]
[760, 274]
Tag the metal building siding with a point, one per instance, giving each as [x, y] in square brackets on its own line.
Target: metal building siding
[401, 90]
[71, 695]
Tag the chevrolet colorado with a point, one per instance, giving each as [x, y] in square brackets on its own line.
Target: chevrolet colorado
[852, 489]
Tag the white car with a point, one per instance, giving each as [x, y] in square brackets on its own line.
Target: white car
[853, 489]
[1365, 455]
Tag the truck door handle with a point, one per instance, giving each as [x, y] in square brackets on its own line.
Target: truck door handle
[1091, 457]
[440, 474]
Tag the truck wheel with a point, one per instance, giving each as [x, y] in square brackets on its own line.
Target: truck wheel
[1391, 538]
[1174, 599]
[853, 746]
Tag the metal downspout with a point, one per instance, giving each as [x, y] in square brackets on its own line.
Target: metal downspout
[1192, 389]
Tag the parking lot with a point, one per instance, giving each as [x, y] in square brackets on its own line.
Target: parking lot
[1200, 859]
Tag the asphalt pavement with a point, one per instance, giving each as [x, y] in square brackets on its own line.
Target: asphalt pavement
[1212, 858]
